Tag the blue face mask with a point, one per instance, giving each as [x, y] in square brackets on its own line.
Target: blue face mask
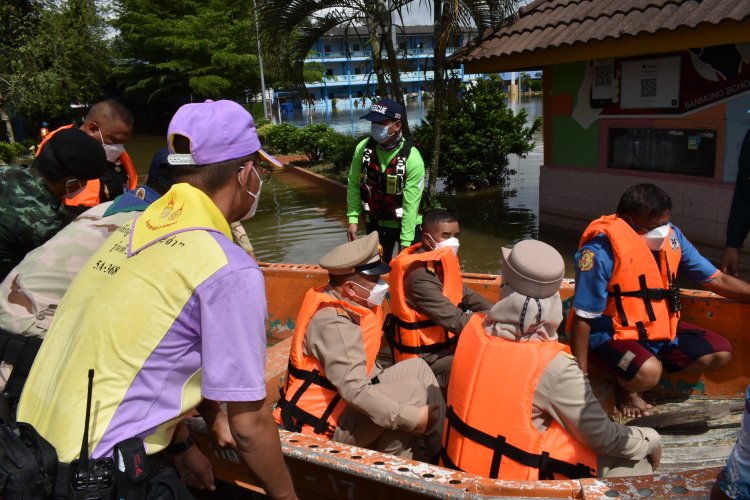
[379, 132]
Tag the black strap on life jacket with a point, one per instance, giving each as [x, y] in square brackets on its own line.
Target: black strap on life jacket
[547, 465]
[648, 295]
[392, 328]
[293, 417]
[19, 351]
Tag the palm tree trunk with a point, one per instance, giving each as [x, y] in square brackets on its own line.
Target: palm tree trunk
[442, 27]
[377, 59]
[8, 126]
[394, 71]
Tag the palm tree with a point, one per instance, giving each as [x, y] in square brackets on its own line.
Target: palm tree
[453, 18]
[294, 27]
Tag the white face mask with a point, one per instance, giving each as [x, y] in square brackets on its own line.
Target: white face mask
[376, 296]
[655, 237]
[256, 196]
[451, 243]
[113, 151]
[379, 132]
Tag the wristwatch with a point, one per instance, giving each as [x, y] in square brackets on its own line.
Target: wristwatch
[180, 446]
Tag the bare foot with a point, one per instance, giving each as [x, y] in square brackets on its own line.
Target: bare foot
[631, 405]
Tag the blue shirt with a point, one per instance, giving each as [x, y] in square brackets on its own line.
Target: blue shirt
[591, 285]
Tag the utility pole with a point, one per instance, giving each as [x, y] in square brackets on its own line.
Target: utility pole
[266, 114]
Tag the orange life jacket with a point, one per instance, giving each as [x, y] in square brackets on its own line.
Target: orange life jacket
[311, 404]
[410, 332]
[48, 137]
[488, 429]
[642, 297]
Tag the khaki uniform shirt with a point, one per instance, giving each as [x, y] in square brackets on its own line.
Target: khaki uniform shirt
[563, 393]
[336, 341]
[424, 293]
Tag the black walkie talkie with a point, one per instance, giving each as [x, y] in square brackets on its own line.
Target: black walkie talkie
[91, 479]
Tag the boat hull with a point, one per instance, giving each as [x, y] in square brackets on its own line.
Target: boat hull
[326, 469]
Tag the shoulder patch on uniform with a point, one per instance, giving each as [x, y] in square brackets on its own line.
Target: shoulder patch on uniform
[586, 261]
[430, 266]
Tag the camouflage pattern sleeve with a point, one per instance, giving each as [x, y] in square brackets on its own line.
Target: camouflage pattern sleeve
[30, 215]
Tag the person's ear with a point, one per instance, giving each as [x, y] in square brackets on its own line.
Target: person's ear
[92, 129]
[347, 289]
[245, 175]
[397, 126]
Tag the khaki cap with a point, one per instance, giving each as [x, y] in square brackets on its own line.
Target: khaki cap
[359, 256]
[533, 268]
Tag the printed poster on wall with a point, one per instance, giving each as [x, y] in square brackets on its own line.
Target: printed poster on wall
[650, 83]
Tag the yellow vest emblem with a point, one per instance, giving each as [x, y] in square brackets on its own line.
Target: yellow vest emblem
[586, 261]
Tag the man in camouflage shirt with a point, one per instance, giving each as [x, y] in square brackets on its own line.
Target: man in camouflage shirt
[31, 209]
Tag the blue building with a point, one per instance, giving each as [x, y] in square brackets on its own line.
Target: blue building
[348, 72]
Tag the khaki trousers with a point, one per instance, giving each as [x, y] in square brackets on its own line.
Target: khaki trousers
[410, 382]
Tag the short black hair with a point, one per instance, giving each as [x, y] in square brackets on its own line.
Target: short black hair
[209, 178]
[111, 111]
[644, 199]
[436, 216]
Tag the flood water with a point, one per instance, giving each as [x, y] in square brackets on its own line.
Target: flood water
[298, 220]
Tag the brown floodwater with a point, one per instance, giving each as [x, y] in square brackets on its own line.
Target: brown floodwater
[299, 220]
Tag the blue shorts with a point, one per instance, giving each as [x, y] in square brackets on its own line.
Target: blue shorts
[734, 479]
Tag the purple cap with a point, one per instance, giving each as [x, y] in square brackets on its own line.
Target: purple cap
[218, 131]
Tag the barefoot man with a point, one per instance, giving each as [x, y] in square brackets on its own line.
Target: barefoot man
[627, 302]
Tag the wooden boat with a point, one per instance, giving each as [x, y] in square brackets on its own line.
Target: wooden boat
[323, 469]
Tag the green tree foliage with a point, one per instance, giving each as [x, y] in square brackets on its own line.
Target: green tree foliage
[192, 48]
[53, 54]
[479, 132]
[452, 17]
[319, 142]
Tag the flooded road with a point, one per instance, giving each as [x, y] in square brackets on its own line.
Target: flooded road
[299, 220]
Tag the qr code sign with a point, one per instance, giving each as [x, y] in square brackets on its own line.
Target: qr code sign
[648, 87]
[603, 75]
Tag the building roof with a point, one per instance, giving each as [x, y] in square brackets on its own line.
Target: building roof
[554, 31]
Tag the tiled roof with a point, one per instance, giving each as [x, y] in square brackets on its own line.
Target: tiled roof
[552, 24]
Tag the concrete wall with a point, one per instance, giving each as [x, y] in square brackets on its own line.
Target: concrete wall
[570, 198]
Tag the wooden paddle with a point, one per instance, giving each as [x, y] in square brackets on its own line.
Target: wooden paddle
[690, 416]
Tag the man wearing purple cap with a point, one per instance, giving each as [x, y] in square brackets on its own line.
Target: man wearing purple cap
[386, 180]
[192, 326]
